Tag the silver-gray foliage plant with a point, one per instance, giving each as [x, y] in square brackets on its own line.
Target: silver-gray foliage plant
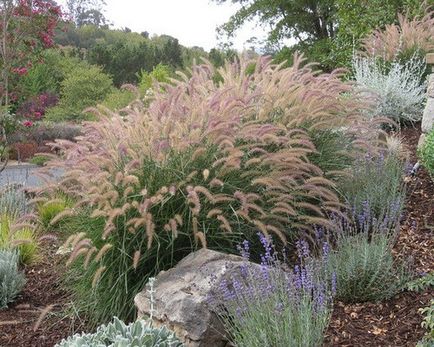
[141, 333]
[13, 200]
[397, 89]
[11, 279]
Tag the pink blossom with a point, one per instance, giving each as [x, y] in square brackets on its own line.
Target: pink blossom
[28, 123]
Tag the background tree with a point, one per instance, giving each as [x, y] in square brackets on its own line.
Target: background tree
[83, 12]
[303, 20]
[327, 31]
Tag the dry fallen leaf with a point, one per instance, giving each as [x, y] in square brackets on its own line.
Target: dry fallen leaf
[378, 331]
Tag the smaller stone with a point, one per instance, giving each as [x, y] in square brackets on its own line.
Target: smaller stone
[430, 59]
[430, 89]
[421, 141]
[428, 116]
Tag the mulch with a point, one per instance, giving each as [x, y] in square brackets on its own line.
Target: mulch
[393, 323]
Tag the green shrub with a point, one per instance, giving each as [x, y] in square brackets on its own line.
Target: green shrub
[23, 239]
[161, 73]
[426, 153]
[118, 99]
[11, 280]
[117, 334]
[13, 201]
[39, 79]
[39, 160]
[83, 87]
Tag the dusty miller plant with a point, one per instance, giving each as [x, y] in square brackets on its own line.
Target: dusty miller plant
[11, 280]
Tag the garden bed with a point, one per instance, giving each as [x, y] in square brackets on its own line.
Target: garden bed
[396, 322]
[42, 292]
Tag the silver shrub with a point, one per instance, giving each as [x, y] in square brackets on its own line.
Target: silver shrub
[396, 89]
[13, 201]
[118, 334]
[11, 280]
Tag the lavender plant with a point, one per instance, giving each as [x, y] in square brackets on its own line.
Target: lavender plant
[273, 307]
[397, 90]
[376, 180]
[362, 258]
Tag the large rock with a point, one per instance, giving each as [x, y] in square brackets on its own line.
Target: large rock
[181, 297]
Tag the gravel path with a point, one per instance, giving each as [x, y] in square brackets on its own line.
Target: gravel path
[23, 174]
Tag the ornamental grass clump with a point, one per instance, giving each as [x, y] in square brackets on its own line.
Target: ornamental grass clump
[408, 35]
[20, 237]
[204, 165]
[274, 307]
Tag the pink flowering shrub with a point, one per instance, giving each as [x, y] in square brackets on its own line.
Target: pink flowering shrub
[204, 165]
[36, 107]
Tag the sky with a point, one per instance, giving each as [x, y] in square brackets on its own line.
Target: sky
[192, 22]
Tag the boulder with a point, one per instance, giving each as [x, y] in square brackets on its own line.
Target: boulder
[181, 299]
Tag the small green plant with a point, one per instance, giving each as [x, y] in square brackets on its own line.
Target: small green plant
[426, 153]
[118, 334]
[39, 160]
[161, 73]
[11, 280]
[118, 99]
[49, 210]
[422, 283]
[428, 324]
[23, 239]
